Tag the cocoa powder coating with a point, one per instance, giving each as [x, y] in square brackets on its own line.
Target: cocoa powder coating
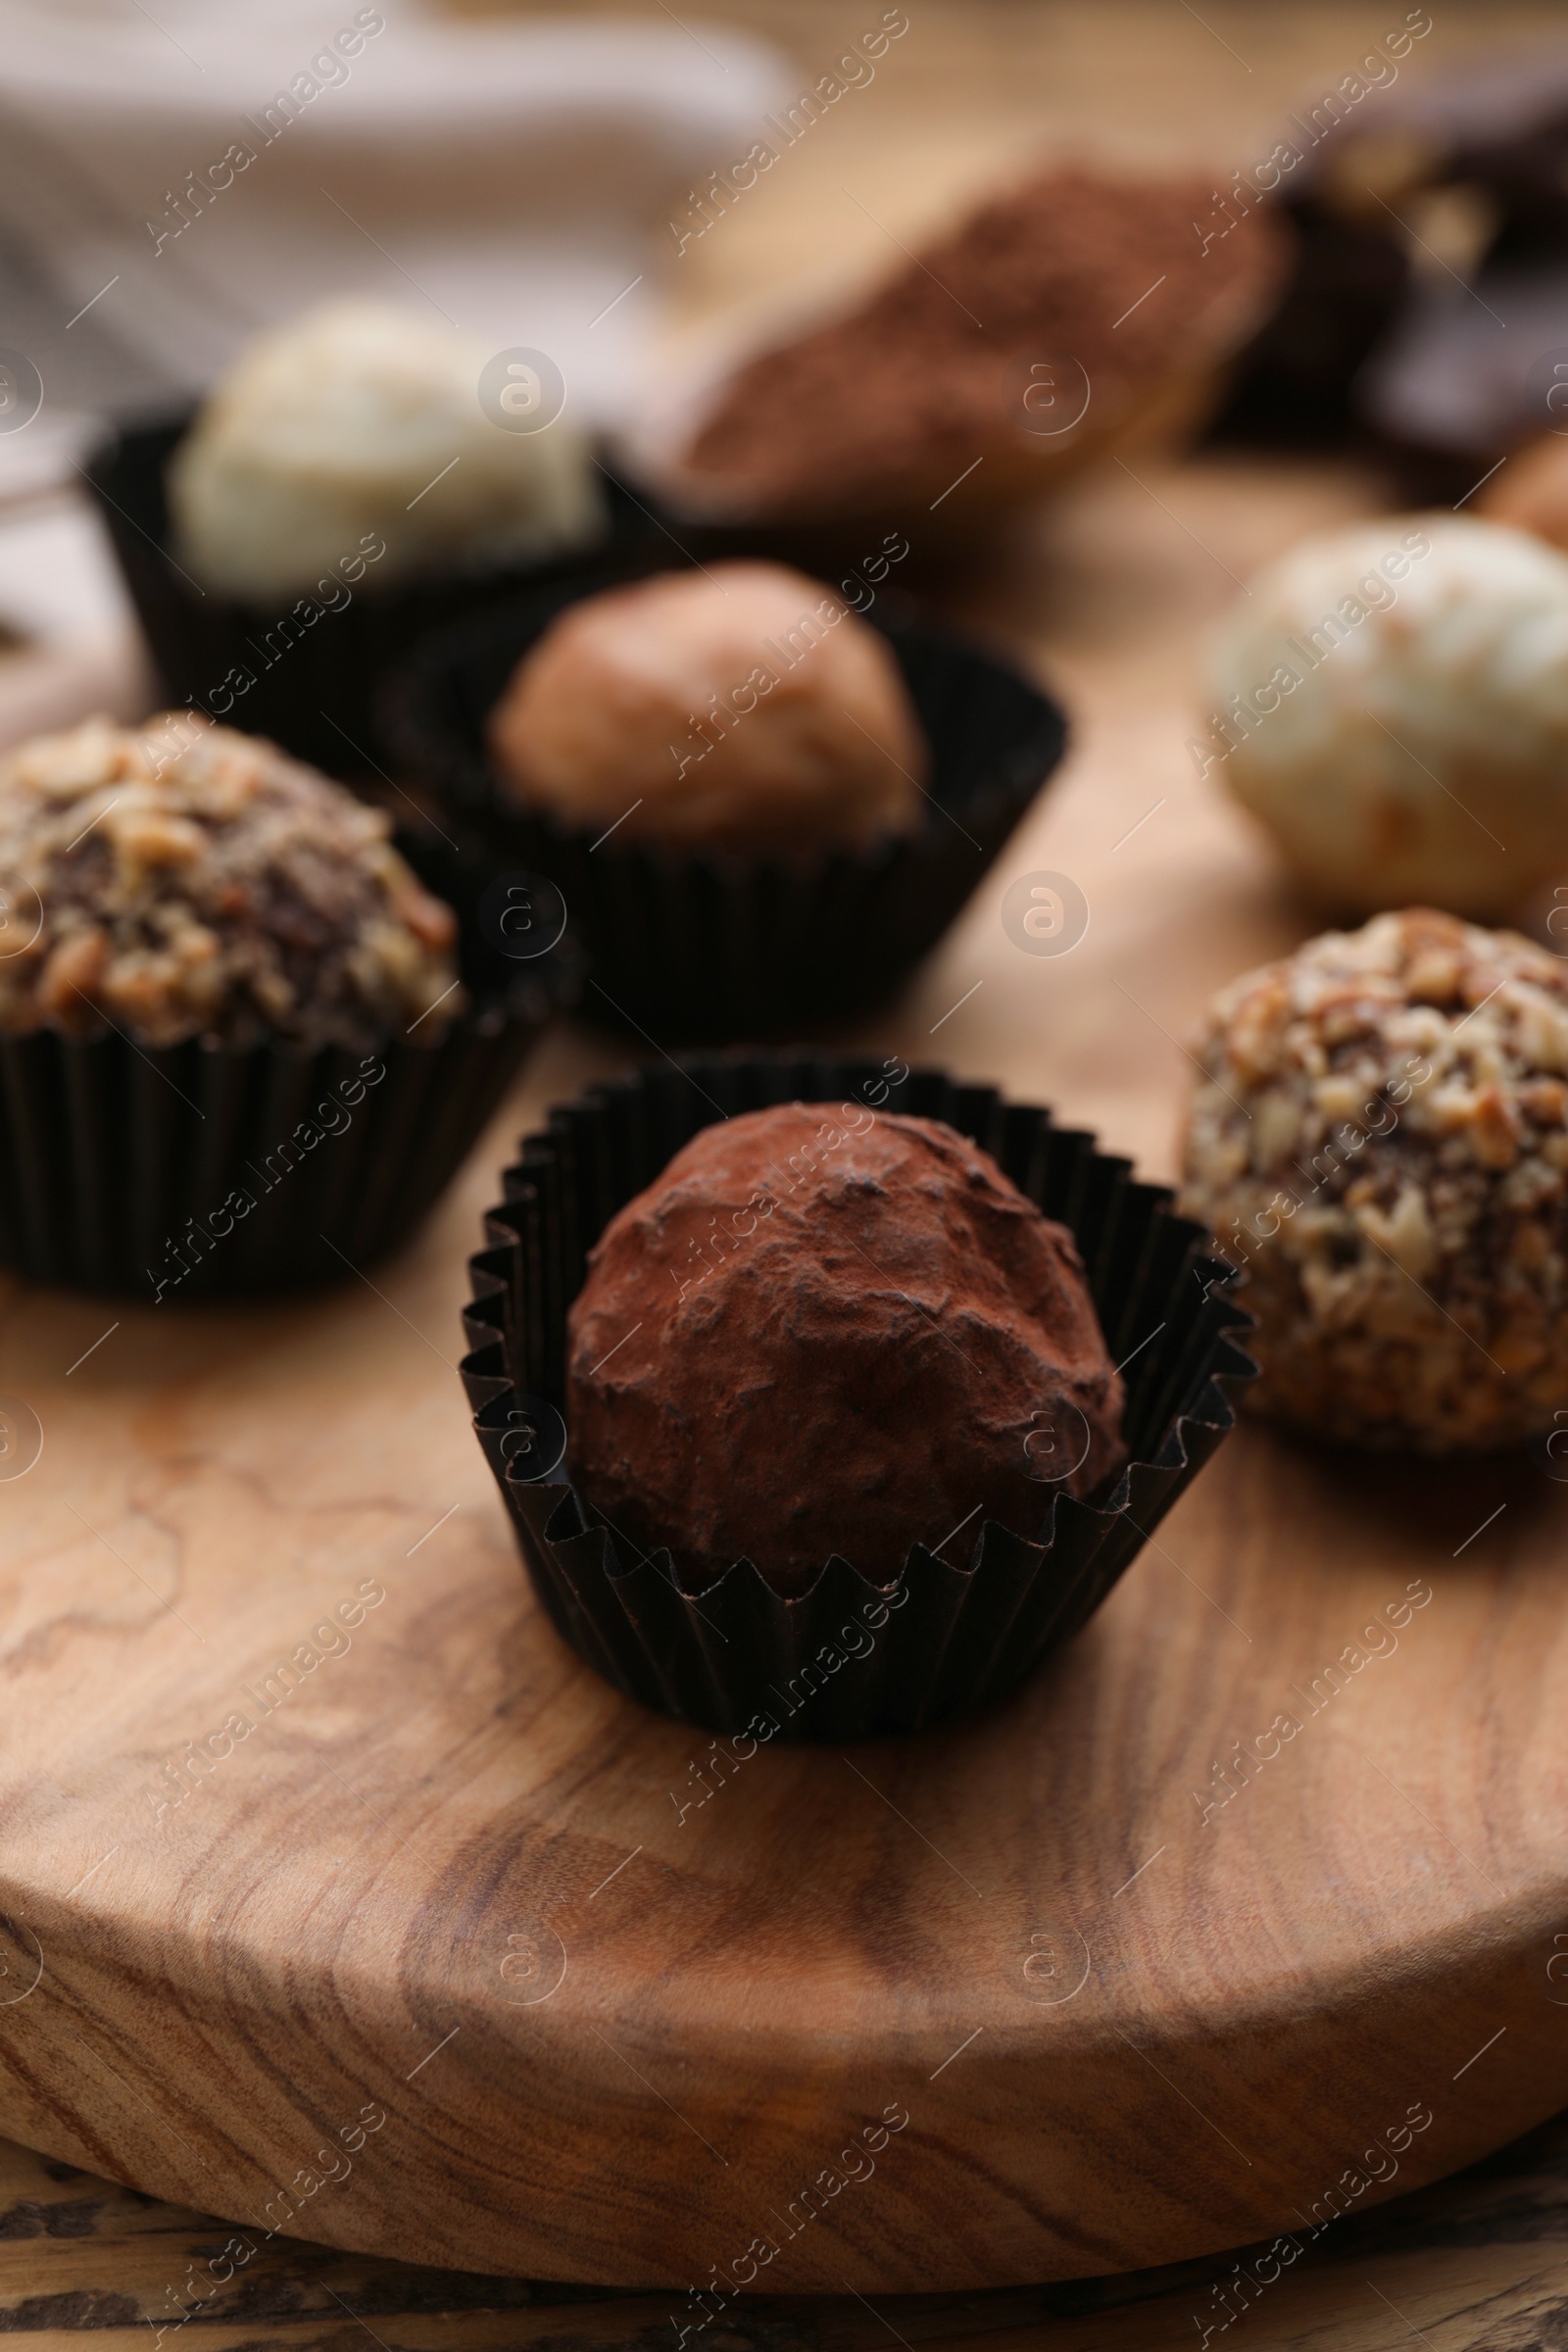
[943, 361]
[828, 1332]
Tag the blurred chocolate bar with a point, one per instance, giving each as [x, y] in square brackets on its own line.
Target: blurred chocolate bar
[1426, 318]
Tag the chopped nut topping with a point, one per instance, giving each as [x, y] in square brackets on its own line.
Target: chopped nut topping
[1545, 1101]
[1381, 1136]
[192, 881]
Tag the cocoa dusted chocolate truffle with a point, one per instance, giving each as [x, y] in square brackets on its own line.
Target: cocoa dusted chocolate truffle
[742, 707]
[1057, 317]
[1381, 1138]
[821, 1334]
[182, 880]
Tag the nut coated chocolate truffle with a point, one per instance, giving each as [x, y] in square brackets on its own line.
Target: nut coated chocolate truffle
[179, 880]
[1381, 1136]
[827, 1332]
[1391, 701]
[745, 706]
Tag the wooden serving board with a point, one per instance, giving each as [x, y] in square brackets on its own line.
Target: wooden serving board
[446, 1955]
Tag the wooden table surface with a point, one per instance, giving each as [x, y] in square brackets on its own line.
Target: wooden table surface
[1107, 596]
[1477, 2264]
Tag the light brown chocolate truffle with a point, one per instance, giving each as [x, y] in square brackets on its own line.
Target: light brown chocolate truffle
[746, 708]
[1381, 1136]
[179, 880]
[1531, 491]
[812, 1337]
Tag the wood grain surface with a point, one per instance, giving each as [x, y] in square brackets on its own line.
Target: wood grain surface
[441, 1958]
[1477, 2264]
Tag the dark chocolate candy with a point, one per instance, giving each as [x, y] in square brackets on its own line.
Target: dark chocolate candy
[825, 1332]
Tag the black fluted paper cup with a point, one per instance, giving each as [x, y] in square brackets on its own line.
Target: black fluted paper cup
[305, 673]
[692, 946]
[201, 1171]
[734, 1656]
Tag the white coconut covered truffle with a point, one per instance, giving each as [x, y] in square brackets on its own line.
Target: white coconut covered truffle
[360, 421]
[1391, 701]
[1381, 1138]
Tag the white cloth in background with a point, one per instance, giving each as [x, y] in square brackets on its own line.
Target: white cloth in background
[515, 175]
